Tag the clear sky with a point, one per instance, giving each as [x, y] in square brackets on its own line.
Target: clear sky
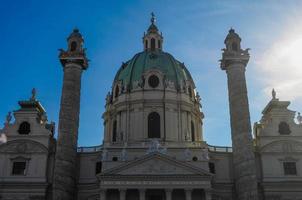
[31, 33]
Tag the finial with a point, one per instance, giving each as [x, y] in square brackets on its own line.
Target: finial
[231, 30]
[75, 30]
[274, 93]
[8, 117]
[33, 94]
[152, 18]
[299, 118]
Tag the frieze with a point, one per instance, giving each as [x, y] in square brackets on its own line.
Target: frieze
[146, 183]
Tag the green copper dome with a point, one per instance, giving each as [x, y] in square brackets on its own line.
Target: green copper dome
[133, 70]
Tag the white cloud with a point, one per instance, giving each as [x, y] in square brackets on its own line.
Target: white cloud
[280, 66]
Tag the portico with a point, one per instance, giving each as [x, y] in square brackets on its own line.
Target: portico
[155, 177]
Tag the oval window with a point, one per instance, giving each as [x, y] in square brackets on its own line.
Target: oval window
[153, 81]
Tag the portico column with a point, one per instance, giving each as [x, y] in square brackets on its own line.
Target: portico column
[142, 194]
[188, 194]
[208, 194]
[122, 194]
[102, 194]
[168, 194]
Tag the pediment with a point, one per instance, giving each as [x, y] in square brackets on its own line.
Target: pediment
[156, 164]
[23, 146]
[283, 146]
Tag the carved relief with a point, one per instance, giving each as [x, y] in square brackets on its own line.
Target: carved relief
[283, 146]
[23, 146]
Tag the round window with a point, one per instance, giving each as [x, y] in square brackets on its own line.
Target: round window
[153, 81]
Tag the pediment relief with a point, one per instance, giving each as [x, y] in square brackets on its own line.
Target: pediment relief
[283, 146]
[23, 146]
[156, 164]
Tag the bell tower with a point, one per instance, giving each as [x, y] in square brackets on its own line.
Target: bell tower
[74, 61]
[234, 61]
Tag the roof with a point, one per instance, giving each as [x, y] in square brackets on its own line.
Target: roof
[134, 69]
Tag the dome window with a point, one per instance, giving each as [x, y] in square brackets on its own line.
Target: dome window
[284, 128]
[154, 125]
[73, 46]
[116, 92]
[152, 44]
[159, 44]
[24, 128]
[114, 131]
[146, 44]
[190, 91]
[114, 158]
[192, 131]
[194, 158]
[153, 81]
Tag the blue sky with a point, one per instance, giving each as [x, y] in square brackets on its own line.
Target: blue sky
[32, 32]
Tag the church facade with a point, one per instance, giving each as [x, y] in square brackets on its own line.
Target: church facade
[153, 147]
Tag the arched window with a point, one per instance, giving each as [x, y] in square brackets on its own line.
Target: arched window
[192, 131]
[146, 44]
[190, 91]
[116, 92]
[73, 46]
[212, 168]
[153, 125]
[24, 128]
[114, 131]
[159, 44]
[284, 128]
[234, 46]
[98, 167]
[152, 44]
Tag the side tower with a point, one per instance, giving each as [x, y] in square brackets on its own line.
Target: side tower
[234, 61]
[74, 61]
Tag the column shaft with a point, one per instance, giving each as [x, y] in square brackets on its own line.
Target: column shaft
[188, 194]
[103, 195]
[65, 160]
[168, 194]
[122, 194]
[142, 194]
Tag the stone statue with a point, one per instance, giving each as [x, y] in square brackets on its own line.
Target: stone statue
[8, 118]
[3, 138]
[33, 94]
[155, 146]
[274, 93]
[124, 155]
[104, 155]
[299, 118]
[205, 154]
[108, 98]
[187, 154]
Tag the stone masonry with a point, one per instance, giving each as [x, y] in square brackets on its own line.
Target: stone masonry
[73, 61]
[234, 61]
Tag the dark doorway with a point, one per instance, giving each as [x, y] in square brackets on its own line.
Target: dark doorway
[178, 194]
[132, 194]
[155, 194]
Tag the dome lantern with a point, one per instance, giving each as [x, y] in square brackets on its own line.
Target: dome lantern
[152, 40]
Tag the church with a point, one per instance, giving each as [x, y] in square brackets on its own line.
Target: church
[153, 146]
